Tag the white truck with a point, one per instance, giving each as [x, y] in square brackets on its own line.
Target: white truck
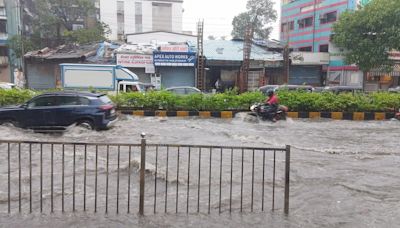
[102, 77]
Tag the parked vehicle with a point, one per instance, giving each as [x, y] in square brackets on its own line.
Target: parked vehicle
[6, 85]
[265, 89]
[306, 88]
[126, 86]
[183, 90]
[268, 112]
[99, 77]
[394, 90]
[344, 89]
[58, 110]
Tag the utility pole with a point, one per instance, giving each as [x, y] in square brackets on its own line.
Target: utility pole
[286, 56]
[21, 32]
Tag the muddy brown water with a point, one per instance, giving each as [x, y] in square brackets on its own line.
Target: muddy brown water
[343, 174]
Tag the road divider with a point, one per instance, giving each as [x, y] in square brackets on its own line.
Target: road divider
[357, 116]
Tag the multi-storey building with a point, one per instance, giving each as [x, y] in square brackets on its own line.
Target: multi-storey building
[136, 16]
[307, 26]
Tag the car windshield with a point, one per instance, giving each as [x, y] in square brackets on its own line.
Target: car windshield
[105, 99]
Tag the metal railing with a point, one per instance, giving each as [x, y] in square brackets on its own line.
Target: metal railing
[67, 176]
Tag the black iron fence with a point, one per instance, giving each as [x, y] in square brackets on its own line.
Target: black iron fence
[66, 176]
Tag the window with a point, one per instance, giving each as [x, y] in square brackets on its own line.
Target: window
[305, 22]
[306, 8]
[306, 49]
[105, 99]
[120, 18]
[67, 100]
[284, 26]
[138, 17]
[328, 17]
[3, 26]
[3, 51]
[162, 16]
[2, 11]
[324, 48]
[42, 102]
[77, 27]
[291, 25]
[72, 100]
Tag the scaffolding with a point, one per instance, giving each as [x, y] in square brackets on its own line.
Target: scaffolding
[200, 56]
[244, 71]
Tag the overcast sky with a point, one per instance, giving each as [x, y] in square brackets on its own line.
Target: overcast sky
[217, 15]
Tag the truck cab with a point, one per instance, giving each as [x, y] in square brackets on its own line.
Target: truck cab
[130, 86]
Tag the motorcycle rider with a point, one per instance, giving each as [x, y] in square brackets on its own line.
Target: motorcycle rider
[273, 102]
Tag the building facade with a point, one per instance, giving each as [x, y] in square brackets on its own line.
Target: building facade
[137, 16]
[306, 25]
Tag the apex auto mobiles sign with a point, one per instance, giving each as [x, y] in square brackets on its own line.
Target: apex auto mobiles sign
[174, 59]
[135, 60]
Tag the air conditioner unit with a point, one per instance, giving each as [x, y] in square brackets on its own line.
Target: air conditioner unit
[323, 17]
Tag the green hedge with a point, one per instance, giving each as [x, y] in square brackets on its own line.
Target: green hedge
[13, 96]
[296, 101]
[344, 102]
[197, 102]
[230, 100]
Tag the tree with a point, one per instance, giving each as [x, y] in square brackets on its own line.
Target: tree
[259, 14]
[84, 36]
[369, 33]
[53, 22]
[19, 45]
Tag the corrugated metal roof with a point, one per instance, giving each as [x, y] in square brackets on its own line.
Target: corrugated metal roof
[64, 52]
[233, 51]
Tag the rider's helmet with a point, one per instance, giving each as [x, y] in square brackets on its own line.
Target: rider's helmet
[270, 93]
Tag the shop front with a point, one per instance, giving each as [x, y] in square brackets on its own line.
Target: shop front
[175, 68]
[307, 68]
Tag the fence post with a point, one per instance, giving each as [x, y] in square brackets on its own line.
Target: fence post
[287, 180]
[142, 173]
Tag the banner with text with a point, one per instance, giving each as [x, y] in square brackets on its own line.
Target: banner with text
[174, 59]
[135, 60]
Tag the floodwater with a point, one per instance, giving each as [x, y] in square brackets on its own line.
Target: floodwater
[343, 174]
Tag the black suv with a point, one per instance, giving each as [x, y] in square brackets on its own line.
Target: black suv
[58, 110]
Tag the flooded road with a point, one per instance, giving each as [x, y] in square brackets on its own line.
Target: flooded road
[343, 173]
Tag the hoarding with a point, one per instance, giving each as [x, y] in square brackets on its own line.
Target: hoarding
[135, 60]
[174, 59]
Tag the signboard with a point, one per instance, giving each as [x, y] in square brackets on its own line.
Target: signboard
[174, 48]
[309, 58]
[135, 60]
[174, 59]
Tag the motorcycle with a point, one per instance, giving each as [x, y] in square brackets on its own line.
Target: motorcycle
[268, 112]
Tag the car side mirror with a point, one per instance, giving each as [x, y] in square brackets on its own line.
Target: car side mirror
[24, 106]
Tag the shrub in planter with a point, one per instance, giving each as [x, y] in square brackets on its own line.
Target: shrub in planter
[15, 96]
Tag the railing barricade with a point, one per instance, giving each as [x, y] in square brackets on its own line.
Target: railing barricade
[51, 177]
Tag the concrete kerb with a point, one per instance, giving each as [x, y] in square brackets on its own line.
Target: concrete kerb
[357, 116]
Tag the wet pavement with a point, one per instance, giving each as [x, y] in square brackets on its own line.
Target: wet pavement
[343, 173]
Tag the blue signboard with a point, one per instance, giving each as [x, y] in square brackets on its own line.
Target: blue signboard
[174, 58]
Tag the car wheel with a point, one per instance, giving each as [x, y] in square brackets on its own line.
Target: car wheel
[9, 122]
[87, 124]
